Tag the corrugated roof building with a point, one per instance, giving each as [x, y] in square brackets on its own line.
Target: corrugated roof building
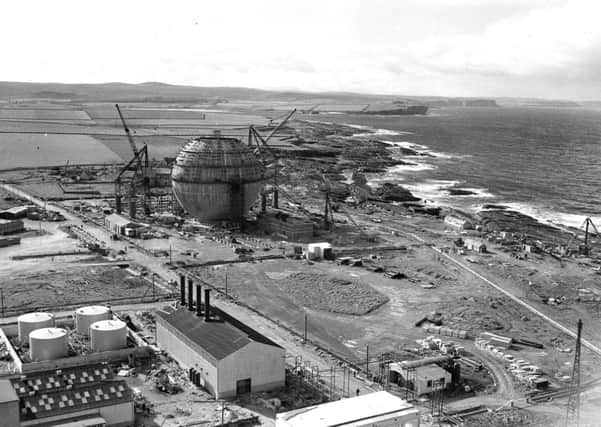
[230, 357]
[63, 395]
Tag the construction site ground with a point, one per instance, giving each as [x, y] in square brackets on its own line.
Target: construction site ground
[446, 284]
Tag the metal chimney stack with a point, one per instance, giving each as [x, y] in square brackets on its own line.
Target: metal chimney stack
[207, 305]
[182, 289]
[198, 298]
[190, 296]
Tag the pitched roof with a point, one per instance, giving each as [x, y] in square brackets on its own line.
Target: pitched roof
[220, 337]
[119, 220]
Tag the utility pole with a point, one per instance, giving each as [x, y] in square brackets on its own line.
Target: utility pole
[573, 409]
[153, 288]
[2, 300]
[367, 360]
[305, 334]
[226, 282]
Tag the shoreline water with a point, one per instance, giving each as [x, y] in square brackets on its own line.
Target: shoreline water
[435, 192]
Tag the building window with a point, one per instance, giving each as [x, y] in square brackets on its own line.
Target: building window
[429, 383]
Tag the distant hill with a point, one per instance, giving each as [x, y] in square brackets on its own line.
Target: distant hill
[162, 92]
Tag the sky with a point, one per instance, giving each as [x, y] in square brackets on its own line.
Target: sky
[516, 48]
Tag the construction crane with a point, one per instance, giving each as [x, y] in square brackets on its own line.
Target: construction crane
[328, 215]
[313, 108]
[585, 249]
[268, 157]
[328, 211]
[139, 165]
[573, 408]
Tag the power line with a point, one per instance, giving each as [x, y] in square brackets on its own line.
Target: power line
[573, 409]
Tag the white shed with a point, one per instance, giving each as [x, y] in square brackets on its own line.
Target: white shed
[321, 250]
[425, 377]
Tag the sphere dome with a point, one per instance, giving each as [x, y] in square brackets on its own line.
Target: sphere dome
[217, 178]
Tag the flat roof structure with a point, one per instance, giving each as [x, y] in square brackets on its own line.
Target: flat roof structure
[430, 372]
[64, 392]
[365, 410]
[7, 392]
[220, 337]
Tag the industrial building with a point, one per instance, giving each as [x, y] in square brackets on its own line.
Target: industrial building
[8, 226]
[215, 178]
[422, 379]
[39, 342]
[369, 410]
[18, 212]
[87, 394]
[226, 357]
[118, 224]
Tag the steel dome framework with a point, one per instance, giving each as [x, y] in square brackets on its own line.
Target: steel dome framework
[217, 178]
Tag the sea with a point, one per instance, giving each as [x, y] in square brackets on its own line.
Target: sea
[542, 161]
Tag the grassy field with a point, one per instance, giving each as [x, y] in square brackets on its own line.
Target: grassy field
[18, 150]
[43, 114]
[158, 146]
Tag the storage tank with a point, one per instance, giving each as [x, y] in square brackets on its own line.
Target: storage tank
[107, 335]
[85, 316]
[48, 344]
[32, 321]
[216, 178]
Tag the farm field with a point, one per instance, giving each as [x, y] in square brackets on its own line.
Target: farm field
[43, 114]
[159, 147]
[35, 150]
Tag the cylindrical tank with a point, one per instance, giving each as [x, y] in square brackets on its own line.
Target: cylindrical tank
[48, 344]
[216, 178]
[107, 335]
[32, 321]
[85, 316]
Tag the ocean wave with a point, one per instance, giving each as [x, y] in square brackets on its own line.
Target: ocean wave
[549, 216]
[371, 131]
[422, 150]
[432, 189]
[481, 193]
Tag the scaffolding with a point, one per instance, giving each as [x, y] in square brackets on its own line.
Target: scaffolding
[437, 398]
[331, 384]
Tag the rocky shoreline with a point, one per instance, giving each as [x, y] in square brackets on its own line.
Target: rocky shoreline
[347, 152]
